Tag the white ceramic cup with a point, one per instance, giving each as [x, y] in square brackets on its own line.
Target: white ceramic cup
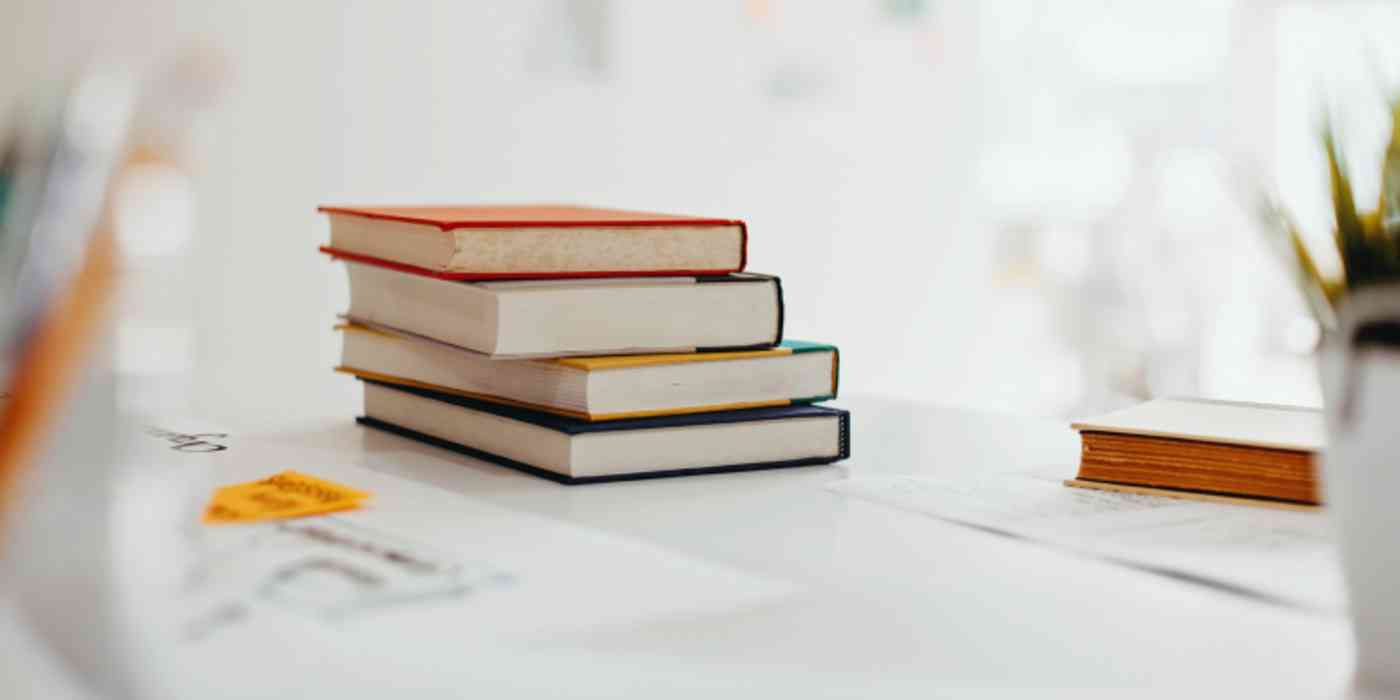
[1361, 476]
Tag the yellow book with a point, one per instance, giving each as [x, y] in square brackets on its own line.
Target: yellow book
[604, 387]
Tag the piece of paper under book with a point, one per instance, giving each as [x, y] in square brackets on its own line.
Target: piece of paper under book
[428, 590]
[1280, 556]
[289, 494]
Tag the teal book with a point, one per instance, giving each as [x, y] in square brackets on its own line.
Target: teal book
[599, 388]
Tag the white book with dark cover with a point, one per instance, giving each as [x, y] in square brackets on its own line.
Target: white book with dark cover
[575, 451]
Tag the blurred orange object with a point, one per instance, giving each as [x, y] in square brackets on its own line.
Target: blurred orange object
[47, 369]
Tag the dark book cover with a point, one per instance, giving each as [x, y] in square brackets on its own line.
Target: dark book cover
[574, 426]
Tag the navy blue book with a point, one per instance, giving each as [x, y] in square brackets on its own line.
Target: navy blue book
[573, 451]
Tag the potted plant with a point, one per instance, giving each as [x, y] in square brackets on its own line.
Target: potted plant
[1359, 365]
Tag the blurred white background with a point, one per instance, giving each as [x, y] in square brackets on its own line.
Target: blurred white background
[1038, 207]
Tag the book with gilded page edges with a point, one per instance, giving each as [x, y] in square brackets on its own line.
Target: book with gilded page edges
[608, 387]
[535, 241]
[572, 451]
[1196, 447]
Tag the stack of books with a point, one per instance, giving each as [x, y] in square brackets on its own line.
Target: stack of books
[579, 344]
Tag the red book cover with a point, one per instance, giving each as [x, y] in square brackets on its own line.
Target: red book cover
[533, 241]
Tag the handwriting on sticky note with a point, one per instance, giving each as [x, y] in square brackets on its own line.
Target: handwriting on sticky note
[290, 494]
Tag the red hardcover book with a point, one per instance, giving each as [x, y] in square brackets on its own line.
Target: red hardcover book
[532, 241]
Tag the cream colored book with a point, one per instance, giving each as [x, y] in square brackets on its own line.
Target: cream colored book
[560, 317]
[599, 388]
[1198, 446]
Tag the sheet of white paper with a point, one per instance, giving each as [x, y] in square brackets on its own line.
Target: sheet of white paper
[1287, 557]
[402, 587]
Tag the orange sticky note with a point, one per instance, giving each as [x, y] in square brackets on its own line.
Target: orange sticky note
[290, 494]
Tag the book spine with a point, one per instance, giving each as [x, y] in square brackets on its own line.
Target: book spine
[845, 437]
[835, 372]
[743, 247]
[777, 290]
[782, 310]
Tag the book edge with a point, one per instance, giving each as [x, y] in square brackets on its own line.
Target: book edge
[555, 410]
[1209, 439]
[579, 363]
[642, 219]
[443, 274]
[550, 421]
[578, 481]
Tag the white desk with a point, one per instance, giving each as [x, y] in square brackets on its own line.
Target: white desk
[885, 603]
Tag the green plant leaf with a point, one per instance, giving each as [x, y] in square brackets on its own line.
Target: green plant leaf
[1284, 238]
[1362, 260]
[1388, 212]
